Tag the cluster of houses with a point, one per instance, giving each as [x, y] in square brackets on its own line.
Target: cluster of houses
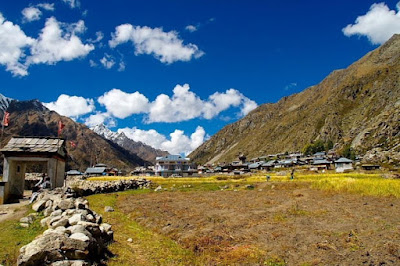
[320, 161]
[180, 166]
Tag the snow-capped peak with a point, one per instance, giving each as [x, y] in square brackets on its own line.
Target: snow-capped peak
[4, 102]
[105, 132]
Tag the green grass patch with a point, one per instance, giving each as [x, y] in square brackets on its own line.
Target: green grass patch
[13, 237]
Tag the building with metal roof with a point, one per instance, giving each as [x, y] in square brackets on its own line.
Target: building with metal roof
[174, 165]
[343, 165]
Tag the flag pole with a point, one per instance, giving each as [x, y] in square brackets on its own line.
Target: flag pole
[2, 127]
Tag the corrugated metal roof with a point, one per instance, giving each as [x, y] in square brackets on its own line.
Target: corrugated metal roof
[343, 160]
[73, 172]
[33, 144]
[172, 158]
[95, 170]
[323, 161]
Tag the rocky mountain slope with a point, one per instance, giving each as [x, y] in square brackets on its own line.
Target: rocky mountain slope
[31, 118]
[357, 106]
[142, 150]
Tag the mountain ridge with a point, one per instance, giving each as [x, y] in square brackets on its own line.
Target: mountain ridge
[85, 147]
[144, 151]
[357, 106]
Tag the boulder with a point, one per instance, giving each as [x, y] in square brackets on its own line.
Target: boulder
[61, 222]
[27, 220]
[39, 205]
[66, 204]
[80, 236]
[108, 209]
[76, 218]
[44, 248]
[56, 213]
[45, 221]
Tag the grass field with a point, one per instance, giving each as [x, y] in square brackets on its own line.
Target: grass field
[229, 220]
[359, 183]
[315, 219]
[13, 237]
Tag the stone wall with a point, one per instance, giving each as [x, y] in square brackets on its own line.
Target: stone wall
[76, 234]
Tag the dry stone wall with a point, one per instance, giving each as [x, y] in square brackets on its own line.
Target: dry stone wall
[76, 235]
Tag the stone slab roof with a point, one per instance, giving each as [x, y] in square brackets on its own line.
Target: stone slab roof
[35, 145]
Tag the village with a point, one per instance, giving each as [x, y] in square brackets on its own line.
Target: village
[181, 166]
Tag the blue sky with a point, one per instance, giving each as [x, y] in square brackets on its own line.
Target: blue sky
[171, 73]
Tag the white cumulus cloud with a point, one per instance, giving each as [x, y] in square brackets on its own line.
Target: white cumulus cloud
[72, 106]
[46, 6]
[167, 47]
[121, 104]
[183, 105]
[100, 118]
[31, 14]
[378, 24]
[72, 3]
[13, 43]
[191, 28]
[177, 143]
[107, 61]
[57, 44]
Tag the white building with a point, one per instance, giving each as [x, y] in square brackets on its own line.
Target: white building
[343, 164]
[173, 165]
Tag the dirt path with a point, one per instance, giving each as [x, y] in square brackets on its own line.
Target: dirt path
[14, 210]
[289, 222]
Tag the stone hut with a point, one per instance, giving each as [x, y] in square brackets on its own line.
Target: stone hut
[22, 151]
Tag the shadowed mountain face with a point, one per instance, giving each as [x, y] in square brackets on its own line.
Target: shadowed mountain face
[31, 118]
[142, 150]
[357, 106]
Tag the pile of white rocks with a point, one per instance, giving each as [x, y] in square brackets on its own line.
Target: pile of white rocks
[76, 234]
[85, 188]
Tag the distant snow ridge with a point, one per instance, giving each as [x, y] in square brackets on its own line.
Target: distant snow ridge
[4, 102]
[105, 132]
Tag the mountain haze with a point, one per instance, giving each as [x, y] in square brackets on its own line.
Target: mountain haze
[357, 106]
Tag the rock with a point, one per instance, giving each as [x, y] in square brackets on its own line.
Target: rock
[56, 213]
[45, 221]
[108, 209]
[70, 263]
[61, 230]
[76, 218]
[49, 204]
[47, 211]
[44, 248]
[66, 204]
[80, 236]
[249, 186]
[39, 205]
[62, 222]
[90, 218]
[25, 225]
[106, 227]
[130, 240]
[159, 188]
[27, 220]
[79, 229]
